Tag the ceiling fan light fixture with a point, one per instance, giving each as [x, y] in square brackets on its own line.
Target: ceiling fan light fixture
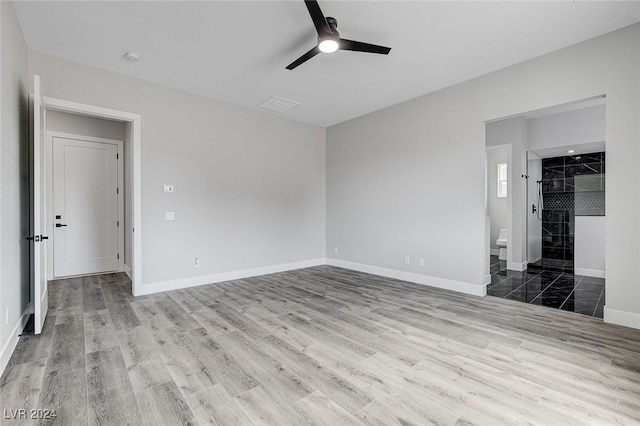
[328, 45]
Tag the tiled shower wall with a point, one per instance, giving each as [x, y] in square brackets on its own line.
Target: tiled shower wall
[572, 185]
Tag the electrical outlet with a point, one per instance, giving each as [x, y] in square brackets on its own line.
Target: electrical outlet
[196, 262]
[169, 215]
[421, 261]
[407, 260]
[167, 188]
[335, 249]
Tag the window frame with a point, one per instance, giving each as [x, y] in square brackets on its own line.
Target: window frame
[503, 183]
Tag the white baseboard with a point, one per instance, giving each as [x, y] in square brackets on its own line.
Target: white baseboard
[127, 270]
[12, 341]
[487, 279]
[494, 252]
[517, 266]
[462, 287]
[160, 286]
[157, 287]
[589, 272]
[628, 319]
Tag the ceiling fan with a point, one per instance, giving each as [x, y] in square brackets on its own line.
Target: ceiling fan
[329, 38]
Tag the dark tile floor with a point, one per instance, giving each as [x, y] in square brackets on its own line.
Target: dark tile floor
[552, 265]
[559, 290]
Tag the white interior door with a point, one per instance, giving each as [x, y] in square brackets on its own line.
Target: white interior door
[38, 212]
[85, 207]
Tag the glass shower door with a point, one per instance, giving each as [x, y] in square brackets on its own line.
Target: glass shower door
[534, 208]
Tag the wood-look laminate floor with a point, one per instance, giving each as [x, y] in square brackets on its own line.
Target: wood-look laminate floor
[321, 345]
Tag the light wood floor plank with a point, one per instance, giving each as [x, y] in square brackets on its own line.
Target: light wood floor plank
[64, 395]
[262, 409]
[224, 367]
[99, 332]
[110, 396]
[187, 369]
[317, 409]
[164, 404]
[214, 406]
[319, 345]
[20, 389]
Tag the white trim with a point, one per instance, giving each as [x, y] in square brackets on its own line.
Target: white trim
[628, 319]
[462, 287]
[120, 149]
[487, 279]
[127, 271]
[589, 272]
[494, 252]
[516, 266]
[89, 110]
[135, 138]
[12, 341]
[161, 286]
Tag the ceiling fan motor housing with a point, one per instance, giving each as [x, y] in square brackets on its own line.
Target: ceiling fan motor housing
[333, 25]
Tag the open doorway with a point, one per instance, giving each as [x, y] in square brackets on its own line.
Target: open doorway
[557, 208]
[498, 205]
[79, 116]
[85, 195]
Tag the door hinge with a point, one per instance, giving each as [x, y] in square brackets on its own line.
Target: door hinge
[118, 223]
[118, 256]
[117, 156]
[117, 190]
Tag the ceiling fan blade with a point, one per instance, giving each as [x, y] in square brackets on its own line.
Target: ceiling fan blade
[304, 58]
[359, 46]
[318, 18]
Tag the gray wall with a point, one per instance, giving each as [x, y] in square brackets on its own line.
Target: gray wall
[59, 121]
[580, 126]
[249, 186]
[14, 195]
[409, 179]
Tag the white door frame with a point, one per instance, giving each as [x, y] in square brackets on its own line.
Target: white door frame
[132, 136]
[50, 247]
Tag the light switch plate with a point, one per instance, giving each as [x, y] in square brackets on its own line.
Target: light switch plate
[169, 215]
[168, 188]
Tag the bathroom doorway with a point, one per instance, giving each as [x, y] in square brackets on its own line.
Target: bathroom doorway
[497, 201]
[557, 208]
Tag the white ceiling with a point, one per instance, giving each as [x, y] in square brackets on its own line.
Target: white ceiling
[237, 51]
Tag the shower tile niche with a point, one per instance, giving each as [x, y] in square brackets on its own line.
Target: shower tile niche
[571, 186]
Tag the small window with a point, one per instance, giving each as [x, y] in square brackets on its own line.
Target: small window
[502, 180]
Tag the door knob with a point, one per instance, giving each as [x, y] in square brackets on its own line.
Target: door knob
[60, 225]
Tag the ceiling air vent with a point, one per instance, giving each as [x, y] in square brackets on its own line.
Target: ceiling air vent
[277, 104]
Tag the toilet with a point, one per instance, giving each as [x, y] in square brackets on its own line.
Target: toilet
[501, 242]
